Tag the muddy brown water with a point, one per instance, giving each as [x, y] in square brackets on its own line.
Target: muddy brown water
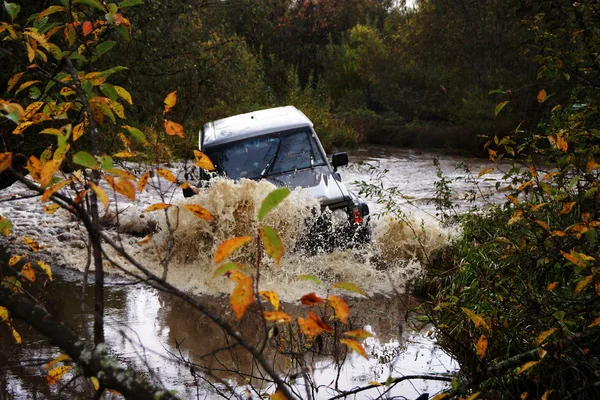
[150, 330]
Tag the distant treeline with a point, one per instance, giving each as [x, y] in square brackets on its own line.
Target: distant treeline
[428, 75]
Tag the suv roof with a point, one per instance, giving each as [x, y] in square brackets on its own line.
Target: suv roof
[253, 124]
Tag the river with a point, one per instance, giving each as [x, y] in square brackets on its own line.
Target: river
[153, 331]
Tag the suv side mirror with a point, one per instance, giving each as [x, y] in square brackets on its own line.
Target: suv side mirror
[339, 160]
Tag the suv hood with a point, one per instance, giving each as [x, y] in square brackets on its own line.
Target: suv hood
[319, 182]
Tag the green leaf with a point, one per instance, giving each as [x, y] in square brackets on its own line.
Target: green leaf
[311, 278]
[350, 287]
[130, 3]
[106, 162]
[136, 133]
[109, 91]
[113, 70]
[5, 226]
[499, 107]
[92, 3]
[12, 9]
[272, 243]
[272, 200]
[103, 48]
[227, 267]
[559, 315]
[85, 159]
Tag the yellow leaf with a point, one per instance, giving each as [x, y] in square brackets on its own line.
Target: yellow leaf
[173, 128]
[170, 101]
[78, 131]
[481, 347]
[26, 85]
[538, 206]
[272, 297]
[359, 334]
[582, 284]
[485, 171]
[541, 97]
[278, 395]
[14, 260]
[55, 374]
[95, 382]
[13, 81]
[54, 188]
[122, 186]
[5, 161]
[30, 52]
[166, 174]
[526, 366]
[32, 109]
[516, 217]
[101, 195]
[313, 325]
[524, 395]
[143, 181]
[546, 394]
[124, 94]
[544, 335]
[340, 307]
[356, 346]
[51, 208]
[122, 173]
[203, 161]
[58, 359]
[549, 176]
[46, 268]
[16, 335]
[28, 273]
[272, 243]
[567, 207]
[157, 206]
[597, 288]
[21, 127]
[551, 286]
[242, 296]
[33, 245]
[513, 200]
[124, 154]
[524, 185]
[561, 143]
[3, 313]
[477, 319]
[198, 211]
[277, 316]
[441, 396]
[375, 383]
[145, 239]
[229, 246]
[234, 274]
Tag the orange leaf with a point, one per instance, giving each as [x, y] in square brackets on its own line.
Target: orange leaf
[595, 322]
[310, 299]
[166, 174]
[546, 394]
[173, 128]
[157, 206]
[233, 274]
[272, 243]
[143, 181]
[558, 233]
[582, 284]
[86, 28]
[203, 161]
[122, 173]
[277, 316]
[272, 297]
[538, 206]
[170, 101]
[340, 307]
[33, 245]
[482, 345]
[242, 297]
[542, 224]
[597, 288]
[561, 143]
[78, 131]
[54, 188]
[477, 319]
[567, 207]
[513, 200]
[145, 240]
[541, 97]
[28, 273]
[122, 186]
[5, 161]
[591, 165]
[544, 335]
[58, 359]
[356, 346]
[573, 258]
[313, 325]
[526, 366]
[198, 211]
[229, 246]
[13, 81]
[227, 267]
[55, 374]
[278, 395]
[551, 286]
[124, 154]
[359, 334]
[101, 195]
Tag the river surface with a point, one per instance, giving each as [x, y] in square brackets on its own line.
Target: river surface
[154, 331]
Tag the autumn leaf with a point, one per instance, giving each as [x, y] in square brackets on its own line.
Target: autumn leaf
[591, 165]
[122, 186]
[54, 188]
[561, 143]
[144, 240]
[544, 335]
[51, 208]
[574, 257]
[166, 174]
[441, 396]
[481, 346]
[124, 154]
[278, 395]
[311, 299]
[33, 245]
[55, 374]
[3, 313]
[582, 284]
[541, 97]
[473, 396]
[5, 161]
[551, 286]
[235, 275]
[170, 101]
[58, 359]
[173, 128]
[272, 200]
[227, 267]
[157, 206]
[203, 161]
[499, 107]
[14, 260]
[359, 334]
[526, 366]
[28, 273]
[242, 296]
[340, 307]
[272, 243]
[542, 224]
[546, 394]
[86, 28]
[198, 211]
[567, 208]
[350, 287]
[271, 296]
[101, 195]
[46, 268]
[485, 171]
[356, 346]
[229, 246]
[143, 181]
[477, 319]
[13, 81]
[277, 316]
[595, 322]
[313, 325]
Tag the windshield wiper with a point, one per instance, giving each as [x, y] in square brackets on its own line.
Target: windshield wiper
[269, 166]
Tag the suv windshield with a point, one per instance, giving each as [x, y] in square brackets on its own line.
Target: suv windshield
[266, 155]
